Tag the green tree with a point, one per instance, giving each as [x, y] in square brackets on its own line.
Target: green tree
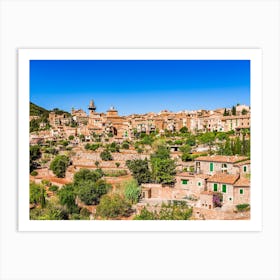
[37, 194]
[87, 175]
[35, 152]
[90, 192]
[163, 167]
[106, 155]
[67, 197]
[132, 191]
[233, 110]
[71, 137]
[244, 112]
[113, 206]
[140, 170]
[184, 129]
[208, 138]
[59, 165]
[125, 146]
[163, 170]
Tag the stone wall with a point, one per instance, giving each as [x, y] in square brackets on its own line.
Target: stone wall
[219, 214]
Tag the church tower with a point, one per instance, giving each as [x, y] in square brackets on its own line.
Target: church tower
[91, 107]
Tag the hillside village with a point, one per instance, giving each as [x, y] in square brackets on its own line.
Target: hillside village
[167, 165]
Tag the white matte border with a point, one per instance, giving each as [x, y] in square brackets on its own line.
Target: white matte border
[254, 55]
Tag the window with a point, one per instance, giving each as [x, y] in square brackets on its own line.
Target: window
[241, 191]
[184, 182]
[224, 167]
[224, 188]
[244, 168]
[211, 166]
[199, 184]
[215, 188]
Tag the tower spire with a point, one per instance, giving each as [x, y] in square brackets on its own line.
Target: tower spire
[91, 106]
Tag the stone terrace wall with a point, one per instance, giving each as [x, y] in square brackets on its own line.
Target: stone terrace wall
[213, 214]
[88, 159]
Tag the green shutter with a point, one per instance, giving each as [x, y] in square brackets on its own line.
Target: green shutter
[241, 191]
[245, 168]
[184, 182]
[211, 166]
[199, 184]
[215, 187]
[224, 189]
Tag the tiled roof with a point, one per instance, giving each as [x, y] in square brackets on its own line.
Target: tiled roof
[224, 178]
[242, 182]
[243, 163]
[219, 158]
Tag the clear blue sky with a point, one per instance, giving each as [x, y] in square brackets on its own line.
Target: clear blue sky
[140, 86]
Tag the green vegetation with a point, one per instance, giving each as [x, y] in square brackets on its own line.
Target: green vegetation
[243, 207]
[35, 110]
[67, 198]
[115, 173]
[34, 173]
[52, 211]
[176, 210]
[92, 147]
[132, 191]
[59, 165]
[90, 192]
[87, 175]
[37, 194]
[163, 167]
[113, 206]
[140, 170]
[106, 155]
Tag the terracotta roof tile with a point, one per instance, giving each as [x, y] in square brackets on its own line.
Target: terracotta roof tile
[224, 178]
[242, 182]
[243, 163]
[219, 158]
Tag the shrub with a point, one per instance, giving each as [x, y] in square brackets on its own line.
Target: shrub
[34, 173]
[90, 192]
[115, 173]
[125, 146]
[243, 207]
[71, 137]
[132, 191]
[87, 175]
[106, 155]
[59, 165]
[53, 188]
[113, 206]
[37, 194]
[117, 164]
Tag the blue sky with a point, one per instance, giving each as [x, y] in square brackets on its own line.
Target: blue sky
[140, 86]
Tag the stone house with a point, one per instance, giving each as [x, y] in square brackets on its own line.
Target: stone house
[190, 183]
[241, 191]
[224, 184]
[218, 164]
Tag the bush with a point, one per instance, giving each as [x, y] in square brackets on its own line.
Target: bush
[37, 194]
[87, 175]
[125, 146]
[106, 155]
[243, 207]
[132, 191]
[115, 173]
[92, 147]
[59, 165]
[178, 210]
[113, 206]
[34, 173]
[71, 137]
[53, 188]
[140, 170]
[90, 192]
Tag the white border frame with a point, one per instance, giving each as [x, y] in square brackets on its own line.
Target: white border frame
[254, 55]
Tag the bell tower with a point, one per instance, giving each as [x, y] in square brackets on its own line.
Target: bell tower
[91, 106]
